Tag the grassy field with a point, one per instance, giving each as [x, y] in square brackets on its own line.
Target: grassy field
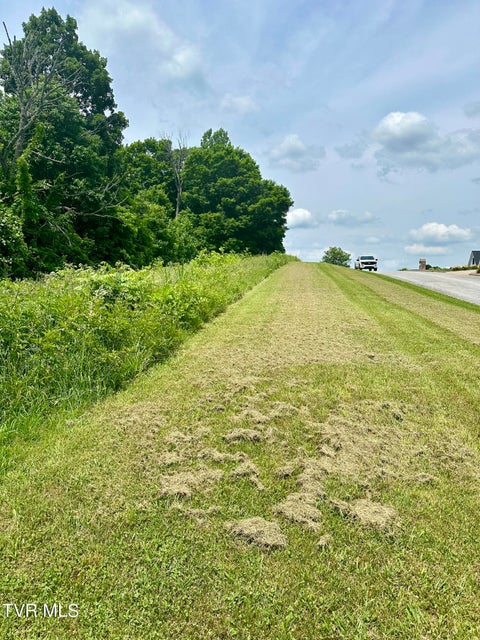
[305, 467]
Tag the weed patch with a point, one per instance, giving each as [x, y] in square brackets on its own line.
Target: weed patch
[78, 334]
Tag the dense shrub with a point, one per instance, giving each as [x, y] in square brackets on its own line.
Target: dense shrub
[81, 332]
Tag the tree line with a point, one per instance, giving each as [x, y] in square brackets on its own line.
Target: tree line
[72, 192]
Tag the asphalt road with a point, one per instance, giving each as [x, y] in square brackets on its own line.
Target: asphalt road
[458, 284]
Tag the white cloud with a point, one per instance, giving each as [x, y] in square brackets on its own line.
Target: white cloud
[133, 34]
[439, 233]
[398, 132]
[238, 104]
[411, 140]
[300, 219]
[343, 217]
[295, 155]
[427, 250]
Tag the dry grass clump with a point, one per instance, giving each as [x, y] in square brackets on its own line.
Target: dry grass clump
[201, 516]
[310, 480]
[324, 541]
[369, 513]
[302, 509]
[259, 532]
[251, 416]
[374, 514]
[424, 478]
[214, 455]
[287, 470]
[245, 470]
[148, 416]
[363, 441]
[169, 458]
[185, 483]
[248, 470]
[237, 435]
[178, 438]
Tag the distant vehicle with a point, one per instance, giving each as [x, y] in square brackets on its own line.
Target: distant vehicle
[366, 262]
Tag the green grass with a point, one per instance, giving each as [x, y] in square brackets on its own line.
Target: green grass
[351, 383]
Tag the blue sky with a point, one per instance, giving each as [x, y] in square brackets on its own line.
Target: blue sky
[368, 111]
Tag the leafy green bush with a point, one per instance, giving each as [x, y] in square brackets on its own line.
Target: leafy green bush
[81, 332]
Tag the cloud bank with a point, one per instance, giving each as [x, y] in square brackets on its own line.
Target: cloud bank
[411, 140]
[437, 232]
[433, 238]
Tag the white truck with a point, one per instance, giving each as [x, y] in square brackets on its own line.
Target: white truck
[366, 262]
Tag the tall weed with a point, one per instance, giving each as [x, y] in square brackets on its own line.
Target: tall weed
[82, 332]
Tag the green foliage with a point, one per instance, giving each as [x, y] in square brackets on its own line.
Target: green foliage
[336, 255]
[13, 250]
[235, 208]
[59, 134]
[79, 333]
[83, 198]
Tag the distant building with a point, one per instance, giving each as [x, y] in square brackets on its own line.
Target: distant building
[474, 259]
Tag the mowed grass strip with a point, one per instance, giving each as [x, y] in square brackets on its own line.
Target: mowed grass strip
[307, 466]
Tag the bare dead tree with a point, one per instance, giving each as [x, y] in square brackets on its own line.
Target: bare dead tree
[178, 157]
[35, 77]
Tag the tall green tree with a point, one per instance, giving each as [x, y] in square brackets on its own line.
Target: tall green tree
[59, 134]
[234, 207]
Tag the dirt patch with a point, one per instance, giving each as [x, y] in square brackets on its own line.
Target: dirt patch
[237, 435]
[302, 509]
[259, 532]
[184, 483]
